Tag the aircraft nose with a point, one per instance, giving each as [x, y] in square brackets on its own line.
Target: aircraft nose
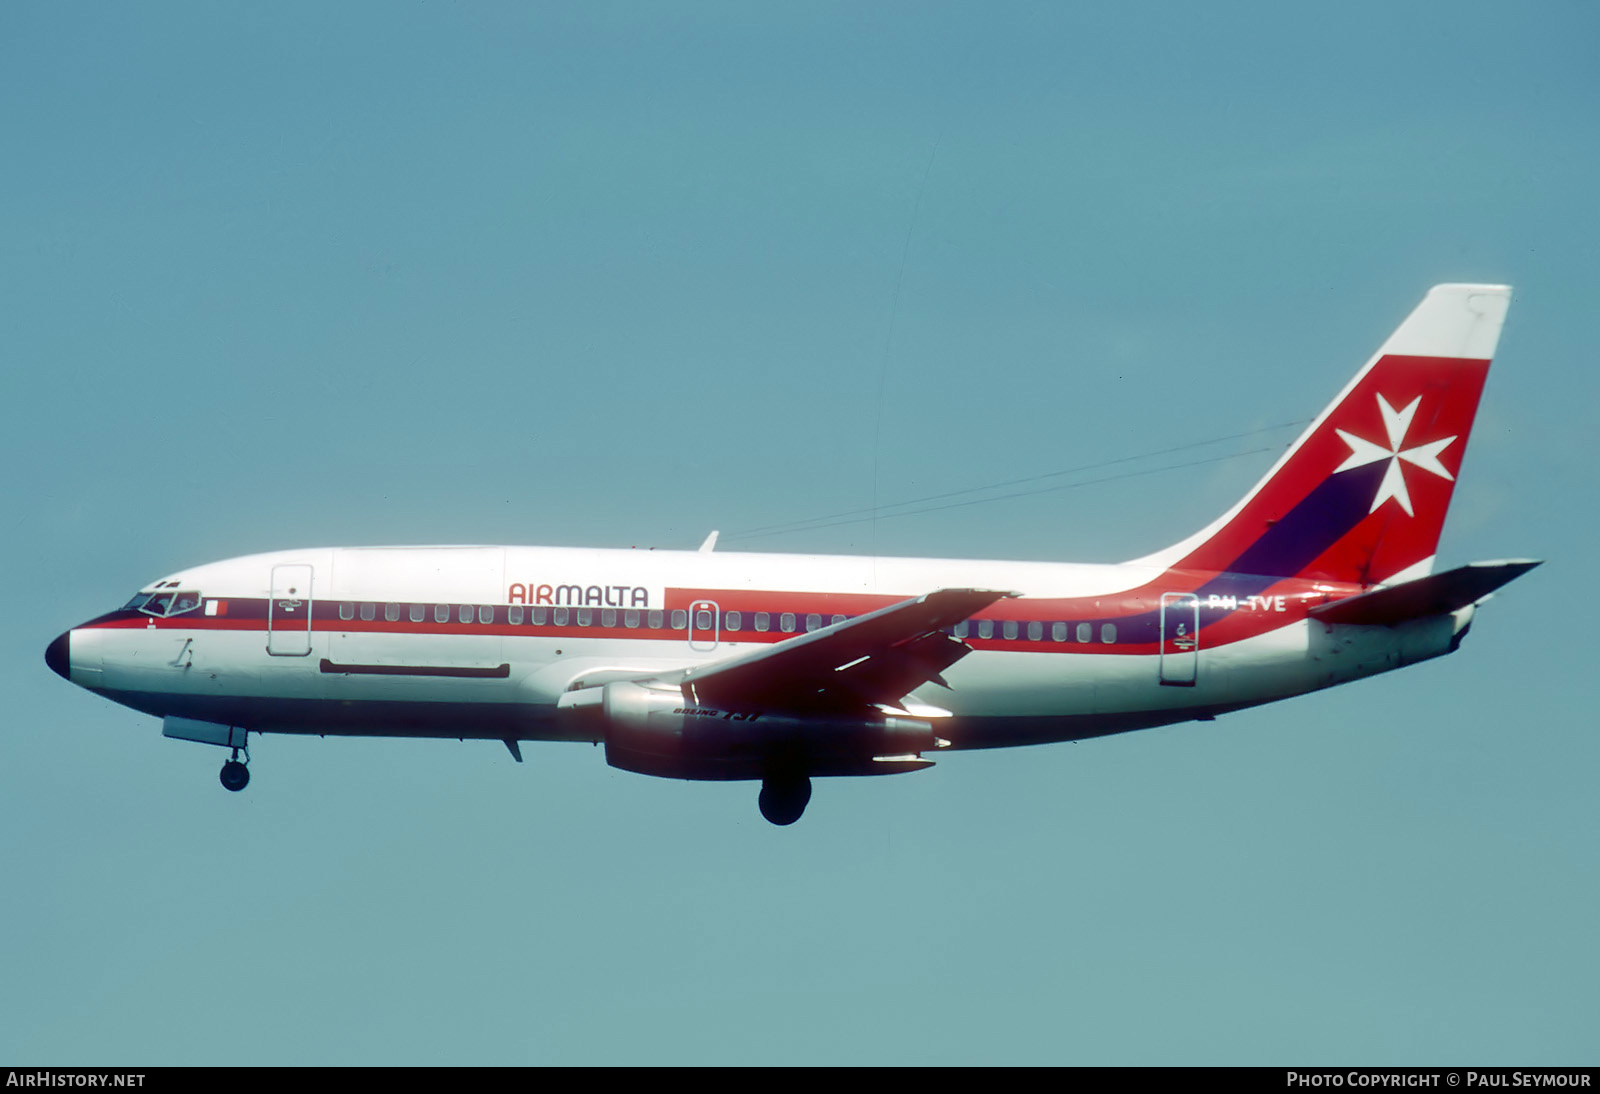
[58, 655]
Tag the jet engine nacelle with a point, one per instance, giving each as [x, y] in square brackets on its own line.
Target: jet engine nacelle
[654, 730]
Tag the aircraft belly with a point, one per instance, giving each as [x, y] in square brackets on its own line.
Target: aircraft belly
[1033, 685]
[1000, 699]
[1027, 700]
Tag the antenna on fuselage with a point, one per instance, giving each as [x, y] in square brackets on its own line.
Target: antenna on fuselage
[710, 544]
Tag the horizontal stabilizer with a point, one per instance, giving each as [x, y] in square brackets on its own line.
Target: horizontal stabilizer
[1436, 594]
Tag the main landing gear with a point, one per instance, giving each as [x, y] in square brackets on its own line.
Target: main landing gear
[235, 775]
[783, 799]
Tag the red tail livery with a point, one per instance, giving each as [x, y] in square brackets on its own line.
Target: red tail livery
[1361, 496]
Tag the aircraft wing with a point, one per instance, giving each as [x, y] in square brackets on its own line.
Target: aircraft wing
[875, 658]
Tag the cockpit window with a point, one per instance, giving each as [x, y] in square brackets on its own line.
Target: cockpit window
[165, 604]
[137, 601]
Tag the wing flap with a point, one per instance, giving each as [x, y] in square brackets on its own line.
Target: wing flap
[875, 658]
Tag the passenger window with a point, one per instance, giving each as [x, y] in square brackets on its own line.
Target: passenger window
[985, 628]
[1035, 631]
[836, 619]
[1058, 632]
[763, 621]
[702, 620]
[961, 629]
[559, 617]
[485, 613]
[1084, 632]
[441, 613]
[538, 616]
[585, 617]
[1009, 629]
[680, 619]
[418, 613]
[608, 617]
[630, 619]
[347, 611]
[464, 613]
[391, 612]
[369, 612]
[786, 622]
[813, 621]
[731, 620]
[1108, 633]
[654, 619]
[514, 615]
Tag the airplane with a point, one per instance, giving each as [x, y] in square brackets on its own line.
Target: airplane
[716, 665]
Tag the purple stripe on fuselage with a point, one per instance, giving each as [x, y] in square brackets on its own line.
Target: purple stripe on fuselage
[1321, 519]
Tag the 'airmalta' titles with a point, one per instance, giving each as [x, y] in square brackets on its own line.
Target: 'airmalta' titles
[601, 596]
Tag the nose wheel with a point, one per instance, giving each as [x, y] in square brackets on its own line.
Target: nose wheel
[235, 775]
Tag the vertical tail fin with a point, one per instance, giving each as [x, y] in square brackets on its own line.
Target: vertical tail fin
[1362, 495]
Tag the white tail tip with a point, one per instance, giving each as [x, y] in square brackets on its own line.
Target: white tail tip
[1453, 321]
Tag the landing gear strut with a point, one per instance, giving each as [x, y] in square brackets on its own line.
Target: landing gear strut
[784, 799]
[235, 775]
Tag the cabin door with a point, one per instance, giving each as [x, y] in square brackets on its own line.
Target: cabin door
[289, 611]
[705, 621]
[1180, 638]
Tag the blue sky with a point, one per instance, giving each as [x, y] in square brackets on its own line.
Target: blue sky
[619, 274]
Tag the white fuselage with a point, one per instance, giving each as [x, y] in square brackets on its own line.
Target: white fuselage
[485, 641]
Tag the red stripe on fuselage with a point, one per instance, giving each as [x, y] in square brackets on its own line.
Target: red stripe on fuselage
[1279, 604]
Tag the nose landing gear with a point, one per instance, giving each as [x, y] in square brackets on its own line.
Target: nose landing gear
[235, 775]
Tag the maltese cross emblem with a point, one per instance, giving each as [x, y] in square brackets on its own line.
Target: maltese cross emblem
[1425, 456]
